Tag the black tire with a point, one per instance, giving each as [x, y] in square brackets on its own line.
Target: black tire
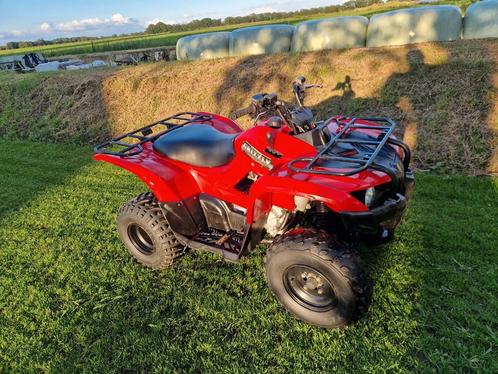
[378, 239]
[317, 279]
[146, 234]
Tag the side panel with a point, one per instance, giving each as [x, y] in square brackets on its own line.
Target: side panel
[279, 191]
[168, 182]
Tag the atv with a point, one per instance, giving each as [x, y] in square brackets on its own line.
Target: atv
[313, 189]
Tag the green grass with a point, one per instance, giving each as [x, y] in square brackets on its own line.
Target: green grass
[169, 39]
[72, 299]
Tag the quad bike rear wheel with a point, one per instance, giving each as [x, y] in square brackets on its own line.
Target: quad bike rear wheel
[317, 279]
[146, 234]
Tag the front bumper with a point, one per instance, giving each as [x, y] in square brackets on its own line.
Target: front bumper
[386, 216]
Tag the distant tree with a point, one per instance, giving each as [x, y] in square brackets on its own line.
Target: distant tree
[209, 22]
[12, 45]
[25, 44]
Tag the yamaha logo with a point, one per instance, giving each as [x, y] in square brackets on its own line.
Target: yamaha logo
[257, 156]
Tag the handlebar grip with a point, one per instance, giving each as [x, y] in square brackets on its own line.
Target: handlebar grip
[242, 112]
[299, 80]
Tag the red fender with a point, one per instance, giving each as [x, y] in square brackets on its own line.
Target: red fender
[273, 190]
[168, 182]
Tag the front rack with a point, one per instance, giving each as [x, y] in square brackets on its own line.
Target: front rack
[119, 147]
[364, 159]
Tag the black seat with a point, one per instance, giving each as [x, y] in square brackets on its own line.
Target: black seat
[198, 145]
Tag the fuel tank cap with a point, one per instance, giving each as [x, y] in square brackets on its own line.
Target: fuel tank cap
[274, 122]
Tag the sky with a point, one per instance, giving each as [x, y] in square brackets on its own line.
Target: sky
[48, 19]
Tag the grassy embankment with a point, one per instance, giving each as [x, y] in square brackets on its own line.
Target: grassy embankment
[169, 39]
[71, 298]
[443, 94]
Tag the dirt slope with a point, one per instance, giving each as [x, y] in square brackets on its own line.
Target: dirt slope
[445, 96]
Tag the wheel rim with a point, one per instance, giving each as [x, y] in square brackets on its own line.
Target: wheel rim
[309, 288]
[140, 239]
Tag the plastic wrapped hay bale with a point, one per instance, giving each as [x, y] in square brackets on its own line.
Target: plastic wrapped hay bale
[415, 25]
[330, 33]
[261, 39]
[48, 66]
[203, 46]
[481, 20]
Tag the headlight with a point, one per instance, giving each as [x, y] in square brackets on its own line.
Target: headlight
[369, 197]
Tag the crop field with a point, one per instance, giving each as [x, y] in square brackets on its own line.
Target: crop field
[72, 299]
[169, 39]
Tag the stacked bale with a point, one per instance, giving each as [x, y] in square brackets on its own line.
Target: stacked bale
[330, 33]
[203, 46]
[399, 27]
[481, 20]
[261, 39]
[415, 25]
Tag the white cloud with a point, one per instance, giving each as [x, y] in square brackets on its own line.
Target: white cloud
[93, 23]
[266, 9]
[45, 26]
[17, 33]
[156, 20]
[119, 19]
[116, 24]
[290, 5]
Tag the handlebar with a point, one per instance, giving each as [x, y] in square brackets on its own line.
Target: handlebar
[263, 103]
[299, 88]
[243, 112]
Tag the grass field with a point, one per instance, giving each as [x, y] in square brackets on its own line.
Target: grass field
[72, 299]
[169, 39]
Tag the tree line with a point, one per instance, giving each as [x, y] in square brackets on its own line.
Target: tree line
[42, 42]
[161, 27]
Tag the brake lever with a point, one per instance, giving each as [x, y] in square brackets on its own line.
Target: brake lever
[257, 117]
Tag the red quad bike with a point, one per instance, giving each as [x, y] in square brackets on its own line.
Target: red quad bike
[317, 188]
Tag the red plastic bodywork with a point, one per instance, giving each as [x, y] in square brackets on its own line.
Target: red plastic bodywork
[172, 181]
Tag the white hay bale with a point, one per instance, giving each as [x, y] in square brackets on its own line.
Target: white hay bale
[481, 20]
[203, 46]
[330, 33]
[415, 25]
[261, 39]
[48, 66]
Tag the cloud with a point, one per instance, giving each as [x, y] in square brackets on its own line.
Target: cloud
[157, 20]
[94, 23]
[45, 26]
[116, 24]
[291, 5]
[265, 9]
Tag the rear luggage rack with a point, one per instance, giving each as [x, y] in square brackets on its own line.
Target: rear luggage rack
[121, 148]
[365, 160]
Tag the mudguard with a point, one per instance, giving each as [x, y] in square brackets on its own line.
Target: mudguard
[275, 190]
[167, 182]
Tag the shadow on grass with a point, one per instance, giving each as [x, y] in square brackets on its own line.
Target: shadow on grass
[28, 169]
[443, 120]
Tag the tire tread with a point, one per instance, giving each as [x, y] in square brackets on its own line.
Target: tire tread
[146, 207]
[326, 247]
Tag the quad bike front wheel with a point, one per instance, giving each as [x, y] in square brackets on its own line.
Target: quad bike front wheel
[317, 279]
[146, 234]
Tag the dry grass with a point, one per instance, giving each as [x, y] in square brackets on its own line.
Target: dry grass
[55, 107]
[443, 94]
